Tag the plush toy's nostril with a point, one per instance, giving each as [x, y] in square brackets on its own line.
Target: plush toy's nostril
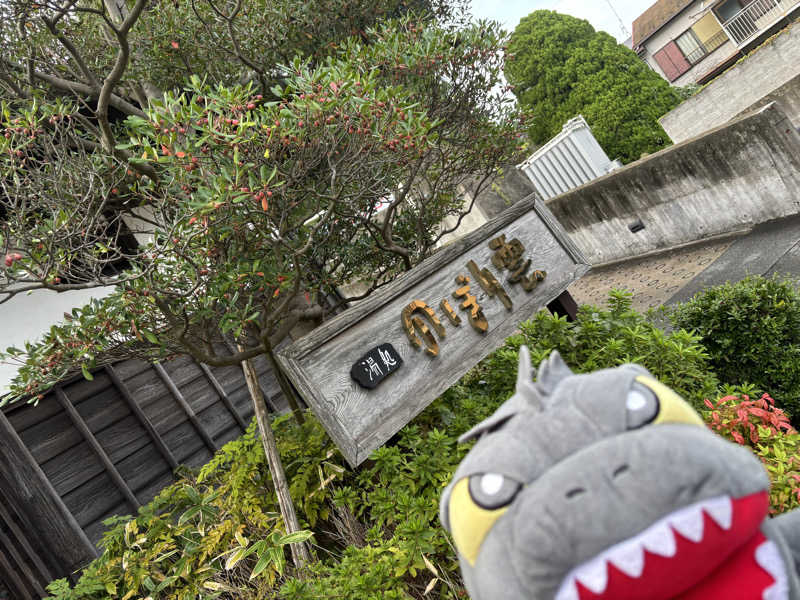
[620, 470]
[575, 492]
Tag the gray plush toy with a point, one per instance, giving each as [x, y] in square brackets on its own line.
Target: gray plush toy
[609, 486]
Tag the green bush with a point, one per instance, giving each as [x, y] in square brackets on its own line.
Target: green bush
[601, 338]
[215, 533]
[376, 529]
[751, 329]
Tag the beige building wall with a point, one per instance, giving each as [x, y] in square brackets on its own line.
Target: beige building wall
[26, 317]
[697, 12]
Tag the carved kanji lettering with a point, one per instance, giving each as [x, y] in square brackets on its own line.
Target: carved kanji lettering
[476, 317]
[413, 324]
[489, 283]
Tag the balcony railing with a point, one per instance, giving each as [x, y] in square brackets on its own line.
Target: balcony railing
[706, 48]
[756, 17]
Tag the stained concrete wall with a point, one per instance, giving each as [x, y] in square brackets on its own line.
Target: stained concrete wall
[770, 73]
[734, 176]
[787, 97]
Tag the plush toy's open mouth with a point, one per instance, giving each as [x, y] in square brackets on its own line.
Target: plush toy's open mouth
[711, 549]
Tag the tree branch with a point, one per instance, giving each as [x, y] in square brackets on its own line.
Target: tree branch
[81, 89]
[73, 51]
[116, 74]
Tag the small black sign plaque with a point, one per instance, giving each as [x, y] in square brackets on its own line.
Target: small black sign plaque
[375, 366]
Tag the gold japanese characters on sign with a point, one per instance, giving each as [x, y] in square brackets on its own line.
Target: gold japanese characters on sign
[506, 256]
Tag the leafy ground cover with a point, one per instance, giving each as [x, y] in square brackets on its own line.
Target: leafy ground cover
[216, 533]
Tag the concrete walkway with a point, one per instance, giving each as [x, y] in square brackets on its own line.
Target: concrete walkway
[676, 275]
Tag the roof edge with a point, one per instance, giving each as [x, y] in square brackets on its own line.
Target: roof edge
[683, 7]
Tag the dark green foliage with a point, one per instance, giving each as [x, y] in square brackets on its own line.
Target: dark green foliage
[606, 338]
[561, 67]
[752, 332]
[216, 532]
[376, 529]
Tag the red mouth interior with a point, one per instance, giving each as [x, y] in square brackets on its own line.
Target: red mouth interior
[721, 565]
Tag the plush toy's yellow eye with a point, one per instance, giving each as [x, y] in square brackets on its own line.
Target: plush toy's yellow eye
[492, 491]
[641, 406]
[672, 408]
[475, 505]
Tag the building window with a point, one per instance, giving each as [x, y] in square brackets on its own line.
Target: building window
[672, 61]
[691, 47]
[695, 48]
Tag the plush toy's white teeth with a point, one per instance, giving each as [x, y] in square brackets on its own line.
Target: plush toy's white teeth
[769, 558]
[721, 510]
[628, 558]
[688, 522]
[658, 539]
[594, 575]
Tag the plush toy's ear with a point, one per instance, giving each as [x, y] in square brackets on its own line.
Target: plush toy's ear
[552, 371]
[525, 397]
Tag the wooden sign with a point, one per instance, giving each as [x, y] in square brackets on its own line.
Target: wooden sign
[440, 319]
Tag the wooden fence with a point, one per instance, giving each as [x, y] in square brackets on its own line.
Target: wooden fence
[93, 449]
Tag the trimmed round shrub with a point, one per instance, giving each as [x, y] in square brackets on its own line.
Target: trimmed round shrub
[604, 338]
[751, 330]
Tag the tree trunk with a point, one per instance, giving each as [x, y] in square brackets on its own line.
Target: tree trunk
[300, 553]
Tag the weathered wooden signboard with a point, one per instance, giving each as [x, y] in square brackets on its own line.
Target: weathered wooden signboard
[370, 370]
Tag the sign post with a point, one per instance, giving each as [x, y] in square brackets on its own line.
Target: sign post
[371, 369]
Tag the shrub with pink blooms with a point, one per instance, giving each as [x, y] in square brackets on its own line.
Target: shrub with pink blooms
[760, 425]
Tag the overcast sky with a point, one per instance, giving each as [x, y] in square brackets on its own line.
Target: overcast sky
[597, 12]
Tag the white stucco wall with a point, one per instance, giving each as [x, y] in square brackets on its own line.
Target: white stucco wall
[27, 317]
[672, 30]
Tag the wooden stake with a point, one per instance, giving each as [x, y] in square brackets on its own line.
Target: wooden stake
[300, 553]
[286, 388]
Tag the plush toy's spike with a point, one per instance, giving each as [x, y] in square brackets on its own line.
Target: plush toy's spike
[526, 397]
[525, 387]
[552, 371]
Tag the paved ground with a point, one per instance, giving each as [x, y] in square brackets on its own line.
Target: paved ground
[676, 275]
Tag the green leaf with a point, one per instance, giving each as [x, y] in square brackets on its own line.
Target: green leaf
[149, 335]
[294, 538]
[189, 514]
[86, 372]
[278, 559]
[234, 558]
[263, 562]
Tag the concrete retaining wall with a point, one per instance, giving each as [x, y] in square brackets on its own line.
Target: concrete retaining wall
[787, 97]
[734, 176]
[770, 73]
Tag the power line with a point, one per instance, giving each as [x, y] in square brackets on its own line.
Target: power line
[621, 22]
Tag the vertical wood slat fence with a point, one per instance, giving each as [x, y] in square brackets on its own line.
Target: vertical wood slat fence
[93, 449]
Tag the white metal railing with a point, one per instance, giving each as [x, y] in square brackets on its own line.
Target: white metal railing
[756, 17]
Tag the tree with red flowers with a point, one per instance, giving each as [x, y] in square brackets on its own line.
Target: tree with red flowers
[232, 203]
